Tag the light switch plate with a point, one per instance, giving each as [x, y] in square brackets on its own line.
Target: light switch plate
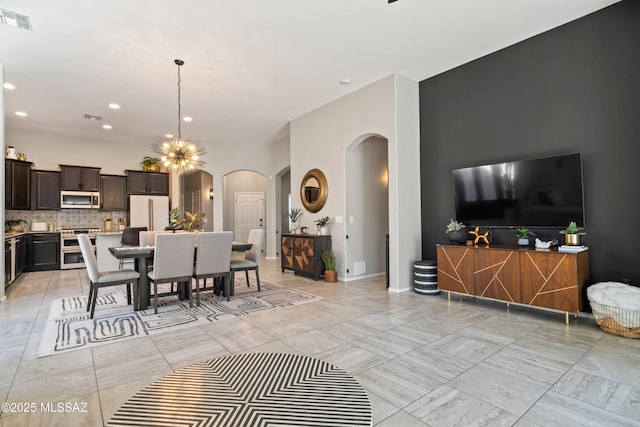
[339, 219]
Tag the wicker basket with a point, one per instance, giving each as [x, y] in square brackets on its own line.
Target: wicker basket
[617, 321]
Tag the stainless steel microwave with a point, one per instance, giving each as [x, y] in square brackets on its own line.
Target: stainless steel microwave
[79, 200]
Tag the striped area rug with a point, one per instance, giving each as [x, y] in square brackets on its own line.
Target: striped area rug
[251, 389]
[69, 327]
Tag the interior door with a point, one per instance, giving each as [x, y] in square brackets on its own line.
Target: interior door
[249, 214]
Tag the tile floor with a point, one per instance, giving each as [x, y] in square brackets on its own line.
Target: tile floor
[423, 360]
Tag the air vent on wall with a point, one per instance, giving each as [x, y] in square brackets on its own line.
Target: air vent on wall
[15, 19]
[92, 117]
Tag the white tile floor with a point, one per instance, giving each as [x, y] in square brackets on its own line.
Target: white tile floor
[423, 360]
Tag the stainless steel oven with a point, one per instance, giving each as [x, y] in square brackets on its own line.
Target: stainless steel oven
[70, 253]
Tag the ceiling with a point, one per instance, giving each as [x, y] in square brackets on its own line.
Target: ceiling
[251, 66]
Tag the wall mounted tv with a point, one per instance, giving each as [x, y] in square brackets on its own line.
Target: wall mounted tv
[545, 192]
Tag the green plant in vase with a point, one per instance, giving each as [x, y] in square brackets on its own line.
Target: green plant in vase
[572, 234]
[455, 231]
[329, 259]
[523, 234]
[321, 225]
[294, 217]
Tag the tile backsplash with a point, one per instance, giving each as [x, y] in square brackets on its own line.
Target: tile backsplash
[67, 218]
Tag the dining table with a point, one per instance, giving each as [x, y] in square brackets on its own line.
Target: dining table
[142, 255]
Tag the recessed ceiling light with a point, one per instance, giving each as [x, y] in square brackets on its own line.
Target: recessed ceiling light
[345, 82]
[114, 106]
[187, 119]
[106, 126]
[8, 86]
[21, 114]
[169, 135]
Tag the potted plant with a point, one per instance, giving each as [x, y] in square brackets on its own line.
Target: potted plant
[15, 225]
[150, 164]
[321, 225]
[329, 259]
[189, 223]
[455, 231]
[572, 234]
[523, 234]
[294, 216]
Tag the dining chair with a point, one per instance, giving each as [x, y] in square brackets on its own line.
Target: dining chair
[251, 259]
[100, 279]
[172, 262]
[213, 259]
[130, 237]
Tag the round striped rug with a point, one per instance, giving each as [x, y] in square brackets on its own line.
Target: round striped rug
[251, 389]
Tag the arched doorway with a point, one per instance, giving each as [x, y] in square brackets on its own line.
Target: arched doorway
[244, 198]
[367, 207]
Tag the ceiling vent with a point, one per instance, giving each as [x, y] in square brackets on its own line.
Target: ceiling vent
[92, 117]
[15, 19]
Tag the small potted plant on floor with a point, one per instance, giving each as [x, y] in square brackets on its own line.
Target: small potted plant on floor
[455, 231]
[572, 234]
[294, 217]
[523, 234]
[329, 260]
[321, 225]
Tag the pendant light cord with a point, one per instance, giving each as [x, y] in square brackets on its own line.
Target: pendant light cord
[179, 62]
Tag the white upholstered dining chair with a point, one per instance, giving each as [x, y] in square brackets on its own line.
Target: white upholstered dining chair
[172, 262]
[213, 259]
[103, 279]
[251, 259]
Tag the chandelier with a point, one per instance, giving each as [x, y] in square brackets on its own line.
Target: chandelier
[177, 153]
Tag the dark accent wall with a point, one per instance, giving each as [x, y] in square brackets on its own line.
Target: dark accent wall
[573, 89]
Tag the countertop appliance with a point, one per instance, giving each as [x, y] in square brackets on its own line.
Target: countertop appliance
[70, 253]
[79, 200]
[149, 211]
[39, 226]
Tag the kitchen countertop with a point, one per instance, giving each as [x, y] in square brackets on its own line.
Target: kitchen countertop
[20, 233]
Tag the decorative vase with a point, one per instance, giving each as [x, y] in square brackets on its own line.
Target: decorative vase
[330, 276]
[455, 236]
[523, 241]
[572, 239]
[151, 168]
[293, 228]
[323, 230]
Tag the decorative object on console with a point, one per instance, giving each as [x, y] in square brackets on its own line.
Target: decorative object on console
[150, 164]
[543, 245]
[484, 237]
[572, 234]
[294, 216]
[455, 231]
[11, 153]
[523, 234]
[321, 225]
[177, 153]
[22, 157]
[329, 260]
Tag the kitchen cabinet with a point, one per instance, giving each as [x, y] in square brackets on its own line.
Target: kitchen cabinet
[113, 192]
[17, 185]
[21, 254]
[43, 251]
[301, 253]
[80, 178]
[142, 182]
[45, 190]
[7, 263]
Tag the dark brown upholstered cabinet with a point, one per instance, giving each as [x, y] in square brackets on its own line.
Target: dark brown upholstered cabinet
[45, 190]
[17, 185]
[549, 279]
[301, 253]
[80, 178]
[113, 192]
[153, 183]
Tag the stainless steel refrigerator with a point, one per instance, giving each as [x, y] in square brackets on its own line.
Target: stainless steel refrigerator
[149, 211]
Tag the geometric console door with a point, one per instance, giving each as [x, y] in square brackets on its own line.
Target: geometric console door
[548, 279]
[302, 253]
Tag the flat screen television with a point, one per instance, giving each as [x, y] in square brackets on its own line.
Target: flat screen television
[545, 192]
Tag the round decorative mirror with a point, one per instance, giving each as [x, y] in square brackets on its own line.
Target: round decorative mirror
[314, 190]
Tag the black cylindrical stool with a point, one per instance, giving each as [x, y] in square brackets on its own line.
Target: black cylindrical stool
[425, 277]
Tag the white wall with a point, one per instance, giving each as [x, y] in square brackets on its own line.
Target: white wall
[388, 108]
[2, 144]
